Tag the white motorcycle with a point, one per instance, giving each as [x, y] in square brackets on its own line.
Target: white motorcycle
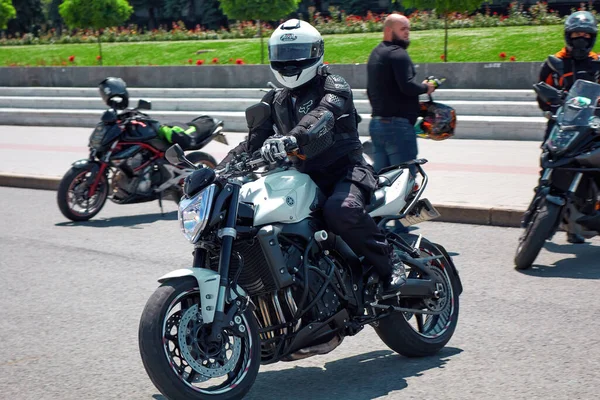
[269, 283]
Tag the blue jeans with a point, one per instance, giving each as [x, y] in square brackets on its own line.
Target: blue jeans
[394, 142]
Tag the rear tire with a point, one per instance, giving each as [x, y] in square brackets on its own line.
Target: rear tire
[541, 226]
[397, 332]
[199, 157]
[72, 194]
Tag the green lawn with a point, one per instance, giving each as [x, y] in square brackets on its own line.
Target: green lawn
[526, 43]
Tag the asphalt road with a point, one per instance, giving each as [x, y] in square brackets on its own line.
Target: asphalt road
[71, 296]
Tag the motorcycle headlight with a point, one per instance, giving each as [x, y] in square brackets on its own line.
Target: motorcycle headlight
[560, 140]
[193, 213]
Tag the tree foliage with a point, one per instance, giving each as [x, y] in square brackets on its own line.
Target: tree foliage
[7, 12]
[266, 10]
[29, 16]
[97, 14]
[444, 7]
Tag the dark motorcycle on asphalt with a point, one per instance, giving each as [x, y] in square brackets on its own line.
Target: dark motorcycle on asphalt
[270, 283]
[126, 162]
[567, 194]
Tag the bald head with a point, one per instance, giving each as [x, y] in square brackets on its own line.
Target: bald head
[396, 27]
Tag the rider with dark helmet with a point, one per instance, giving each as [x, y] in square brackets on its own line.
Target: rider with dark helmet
[581, 30]
[314, 112]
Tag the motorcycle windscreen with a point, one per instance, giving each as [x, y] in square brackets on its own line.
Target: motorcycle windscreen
[580, 104]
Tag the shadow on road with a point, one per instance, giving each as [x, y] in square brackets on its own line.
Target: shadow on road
[365, 376]
[584, 265]
[124, 221]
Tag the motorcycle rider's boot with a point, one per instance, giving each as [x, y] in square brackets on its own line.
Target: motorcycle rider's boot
[574, 238]
[394, 282]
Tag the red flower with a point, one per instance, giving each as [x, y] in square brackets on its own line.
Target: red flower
[326, 62]
[215, 60]
[64, 63]
[503, 55]
[98, 58]
[442, 57]
[513, 58]
[495, 13]
[190, 61]
[231, 60]
[199, 62]
[71, 58]
[239, 61]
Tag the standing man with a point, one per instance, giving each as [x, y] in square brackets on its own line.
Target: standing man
[394, 95]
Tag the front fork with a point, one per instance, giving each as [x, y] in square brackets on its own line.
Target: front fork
[228, 235]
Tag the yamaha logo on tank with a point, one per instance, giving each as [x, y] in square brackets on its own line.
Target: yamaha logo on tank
[288, 37]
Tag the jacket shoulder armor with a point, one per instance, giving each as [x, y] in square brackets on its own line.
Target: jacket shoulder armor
[337, 85]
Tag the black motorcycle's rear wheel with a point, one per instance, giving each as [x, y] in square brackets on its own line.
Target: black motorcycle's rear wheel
[539, 229]
[73, 196]
[420, 335]
[180, 361]
[199, 157]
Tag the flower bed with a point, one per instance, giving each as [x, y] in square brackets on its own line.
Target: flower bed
[337, 22]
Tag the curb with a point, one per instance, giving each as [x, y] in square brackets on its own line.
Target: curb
[454, 213]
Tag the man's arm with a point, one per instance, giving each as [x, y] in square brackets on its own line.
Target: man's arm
[402, 67]
[336, 102]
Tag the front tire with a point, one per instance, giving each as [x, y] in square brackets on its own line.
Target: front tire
[72, 196]
[432, 332]
[539, 229]
[177, 362]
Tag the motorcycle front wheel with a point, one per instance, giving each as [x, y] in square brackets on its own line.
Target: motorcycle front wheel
[73, 197]
[539, 229]
[180, 360]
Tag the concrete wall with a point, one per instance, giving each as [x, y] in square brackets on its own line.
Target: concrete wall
[505, 75]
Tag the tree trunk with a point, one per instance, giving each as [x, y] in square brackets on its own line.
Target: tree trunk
[446, 38]
[100, 46]
[262, 47]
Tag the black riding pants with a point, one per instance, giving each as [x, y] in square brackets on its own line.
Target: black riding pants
[348, 192]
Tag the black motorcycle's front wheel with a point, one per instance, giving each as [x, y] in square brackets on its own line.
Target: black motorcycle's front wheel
[177, 355]
[417, 334]
[541, 225]
[201, 158]
[73, 196]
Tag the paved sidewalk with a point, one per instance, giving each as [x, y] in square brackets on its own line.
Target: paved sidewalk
[476, 181]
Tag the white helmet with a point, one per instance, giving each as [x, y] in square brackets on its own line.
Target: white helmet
[296, 52]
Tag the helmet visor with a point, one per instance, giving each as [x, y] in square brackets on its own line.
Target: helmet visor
[295, 51]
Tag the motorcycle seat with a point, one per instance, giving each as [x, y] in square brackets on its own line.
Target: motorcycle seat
[387, 178]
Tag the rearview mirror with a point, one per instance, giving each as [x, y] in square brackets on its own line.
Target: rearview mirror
[257, 114]
[144, 105]
[547, 93]
[175, 155]
[556, 64]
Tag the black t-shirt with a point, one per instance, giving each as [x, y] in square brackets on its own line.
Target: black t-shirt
[391, 82]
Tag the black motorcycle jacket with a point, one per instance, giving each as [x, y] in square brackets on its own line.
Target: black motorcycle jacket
[567, 78]
[320, 115]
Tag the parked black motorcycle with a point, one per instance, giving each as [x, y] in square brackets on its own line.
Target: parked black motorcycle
[126, 162]
[567, 194]
[270, 283]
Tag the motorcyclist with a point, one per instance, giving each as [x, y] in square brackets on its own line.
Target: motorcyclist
[580, 33]
[314, 112]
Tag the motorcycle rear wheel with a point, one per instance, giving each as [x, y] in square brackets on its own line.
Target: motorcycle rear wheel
[539, 229]
[199, 157]
[432, 332]
[72, 195]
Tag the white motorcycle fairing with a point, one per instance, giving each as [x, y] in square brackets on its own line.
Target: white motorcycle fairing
[290, 196]
[281, 197]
